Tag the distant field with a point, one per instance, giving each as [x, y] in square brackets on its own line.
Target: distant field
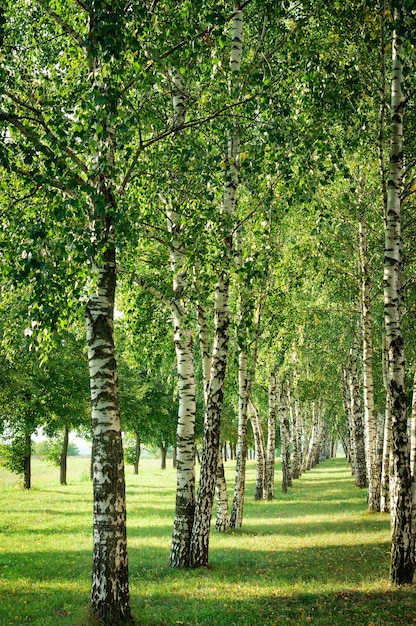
[312, 556]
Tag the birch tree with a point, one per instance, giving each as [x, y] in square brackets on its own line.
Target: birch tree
[284, 437]
[206, 488]
[185, 437]
[401, 567]
[373, 462]
[271, 438]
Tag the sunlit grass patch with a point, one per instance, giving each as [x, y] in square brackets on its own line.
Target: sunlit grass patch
[311, 556]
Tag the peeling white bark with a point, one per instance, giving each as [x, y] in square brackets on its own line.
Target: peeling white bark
[402, 564]
[373, 461]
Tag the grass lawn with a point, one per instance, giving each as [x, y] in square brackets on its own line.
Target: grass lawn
[312, 556]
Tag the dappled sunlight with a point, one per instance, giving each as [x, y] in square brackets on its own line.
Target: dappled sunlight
[311, 552]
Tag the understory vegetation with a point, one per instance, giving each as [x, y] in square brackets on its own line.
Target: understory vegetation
[314, 555]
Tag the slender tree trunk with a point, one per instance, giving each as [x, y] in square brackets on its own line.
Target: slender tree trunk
[349, 446]
[360, 464]
[27, 471]
[316, 436]
[373, 461]
[297, 434]
[253, 413]
[92, 461]
[402, 565]
[386, 463]
[307, 429]
[271, 438]
[386, 466]
[236, 520]
[163, 455]
[222, 522]
[64, 457]
[185, 445]
[137, 452]
[245, 382]
[231, 184]
[185, 432]
[284, 437]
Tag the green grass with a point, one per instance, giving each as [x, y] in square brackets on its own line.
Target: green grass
[312, 556]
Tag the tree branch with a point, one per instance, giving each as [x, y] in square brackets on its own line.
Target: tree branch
[141, 282]
[63, 24]
[171, 131]
[15, 121]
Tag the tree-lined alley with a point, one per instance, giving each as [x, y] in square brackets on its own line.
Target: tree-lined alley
[224, 192]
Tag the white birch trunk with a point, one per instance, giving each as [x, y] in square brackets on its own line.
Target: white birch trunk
[259, 450]
[185, 447]
[360, 463]
[236, 520]
[110, 597]
[297, 435]
[373, 461]
[271, 438]
[222, 521]
[284, 437]
[314, 442]
[199, 547]
[387, 459]
[413, 465]
[209, 461]
[386, 467]
[413, 431]
[185, 433]
[346, 398]
[110, 589]
[401, 566]
[307, 429]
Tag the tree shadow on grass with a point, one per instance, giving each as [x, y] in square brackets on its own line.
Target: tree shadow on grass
[345, 607]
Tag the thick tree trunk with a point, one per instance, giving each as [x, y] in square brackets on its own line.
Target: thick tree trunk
[402, 563]
[110, 600]
[202, 519]
[271, 438]
[413, 430]
[222, 521]
[27, 465]
[110, 596]
[413, 465]
[64, 457]
[373, 460]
